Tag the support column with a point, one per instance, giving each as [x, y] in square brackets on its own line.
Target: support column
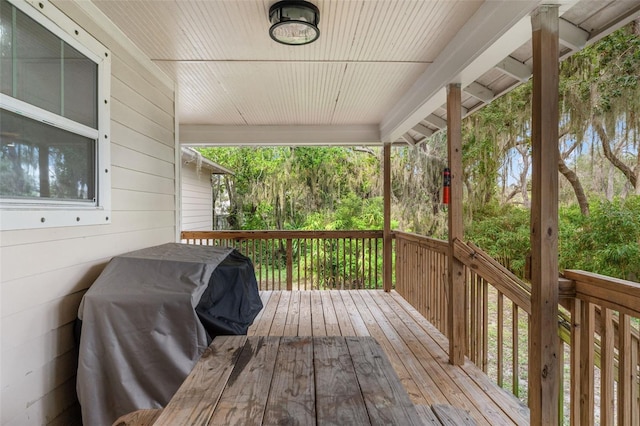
[543, 342]
[386, 232]
[455, 291]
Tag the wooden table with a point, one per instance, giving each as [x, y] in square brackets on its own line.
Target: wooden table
[291, 381]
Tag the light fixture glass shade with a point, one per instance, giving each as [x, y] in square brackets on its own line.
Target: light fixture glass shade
[294, 22]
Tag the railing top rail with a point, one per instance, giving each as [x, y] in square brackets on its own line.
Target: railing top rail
[432, 243]
[260, 235]
[613, 293]
[505, 281]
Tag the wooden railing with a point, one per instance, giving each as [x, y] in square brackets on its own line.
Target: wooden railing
[421, 275]
[305, 260]
[597, 327]
[605, 314]
[599, 356]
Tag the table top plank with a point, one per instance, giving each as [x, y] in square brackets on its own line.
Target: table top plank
[386, 400]
[292, 396]
[244, 399]
[338, 396]
[194, 401]
[294, 381]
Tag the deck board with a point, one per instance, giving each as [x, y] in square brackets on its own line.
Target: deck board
[415, 348]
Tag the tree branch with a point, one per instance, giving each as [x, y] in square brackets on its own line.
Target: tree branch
[606, 147]
[573, 179]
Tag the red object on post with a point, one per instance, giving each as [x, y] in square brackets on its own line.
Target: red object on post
[446, 185]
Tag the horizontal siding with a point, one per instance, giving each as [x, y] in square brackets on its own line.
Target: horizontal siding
[198, 226]
[45, 272]
[196, 198]
[139, 142]
[56, 408]
[137, 180]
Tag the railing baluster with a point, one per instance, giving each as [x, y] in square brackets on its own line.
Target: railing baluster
[561, 380]
[587, 330]
[635, 392]
[369, 259]
[473, 301]
[625, 376]
[289, 265]
[575, 309]
[306, 265]
[516, 353]
[500, 343]
[607, 342]
[485, 325]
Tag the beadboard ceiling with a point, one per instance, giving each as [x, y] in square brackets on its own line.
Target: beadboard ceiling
[377, 73]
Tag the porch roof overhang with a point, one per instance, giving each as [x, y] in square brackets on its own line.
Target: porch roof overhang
[190, 155]
[378, 74]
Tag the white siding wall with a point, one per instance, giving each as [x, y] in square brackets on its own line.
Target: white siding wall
[197, 200]
[44, 272]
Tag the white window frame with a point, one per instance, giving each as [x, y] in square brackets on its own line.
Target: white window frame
[49, 213]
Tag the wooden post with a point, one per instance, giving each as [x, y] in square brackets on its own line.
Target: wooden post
[455, 293]
[387, 242]
[543, 358]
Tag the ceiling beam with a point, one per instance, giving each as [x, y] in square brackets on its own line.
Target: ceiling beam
[410, 140]
[572, 36]
[224, 135]
[515, 69]
[483, 30]
[480, 92]
[439, 122]
[422, 129]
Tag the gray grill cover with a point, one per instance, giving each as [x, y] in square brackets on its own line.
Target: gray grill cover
[141, 335]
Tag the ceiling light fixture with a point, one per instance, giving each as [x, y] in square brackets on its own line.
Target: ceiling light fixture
[294, 22]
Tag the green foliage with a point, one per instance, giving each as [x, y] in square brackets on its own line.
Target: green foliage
[310, 187]
[607, 242]
[503, 232]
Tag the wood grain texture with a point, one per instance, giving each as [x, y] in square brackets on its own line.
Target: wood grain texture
[451, 416]
[416, 351]
[292, 394]
[338, 396]
[587, 355]
[427, 416]
[543, 345]
[139, 418]
[388, 242]
[386, 400]
[456, 288]
[245, 397]
[194, 401]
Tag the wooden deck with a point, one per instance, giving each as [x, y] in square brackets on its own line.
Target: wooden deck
[415, 348]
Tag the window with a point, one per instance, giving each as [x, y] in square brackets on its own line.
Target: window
[54, 119]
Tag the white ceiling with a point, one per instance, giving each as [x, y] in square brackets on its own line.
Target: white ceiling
[376, 74]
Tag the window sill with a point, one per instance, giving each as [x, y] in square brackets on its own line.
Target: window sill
[36, 217]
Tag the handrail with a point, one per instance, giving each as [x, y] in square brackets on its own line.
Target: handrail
[501, 278]
[613, 293]
[439, 246]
